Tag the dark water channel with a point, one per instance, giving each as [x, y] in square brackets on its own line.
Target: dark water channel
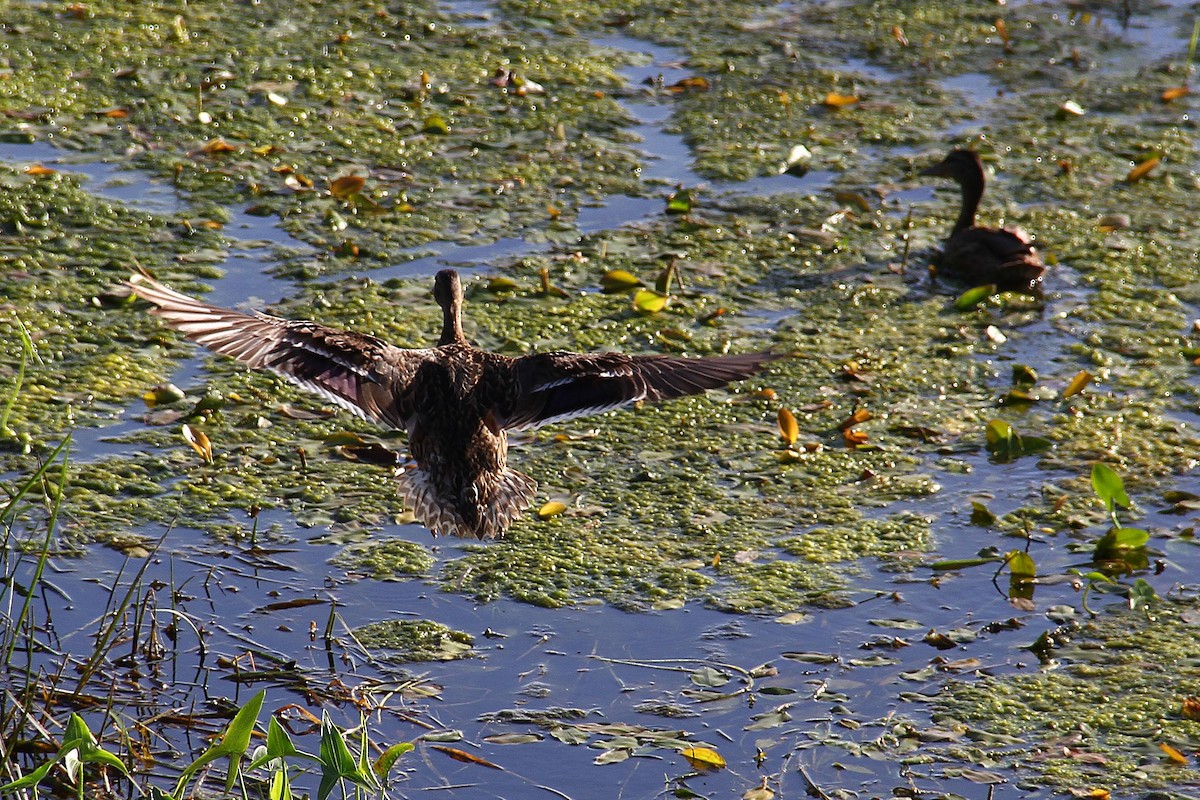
[616, 667]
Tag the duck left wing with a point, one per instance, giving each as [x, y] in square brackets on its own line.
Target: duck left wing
[555, 386]
[358, 372]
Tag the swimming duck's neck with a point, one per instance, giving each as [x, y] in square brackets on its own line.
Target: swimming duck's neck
[972, 193]
[452, 332]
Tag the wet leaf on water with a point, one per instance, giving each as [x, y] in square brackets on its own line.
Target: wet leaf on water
[1118, 542]
[703, 758]
[1070, 109]
[648, 301]
[112, 113]
[789, 428]
[1002, 31]
[342, 438]
[1174, 755]
[551, 509]
[1077, 384]
[835, 100]
[854, 199]
[373, 453]
[995, 335]
[973, 297]
[898, 624]
[981, 515]
[214, 146]
[1109, 487]
[569, 734]
[794, 618]
[669, 604]
[681, 201]
[1021, 564]
[962, 563]
[759, 792]
[1024, 375]
[708, 676]
[860, 415]
[39, 169]
[162, 395]
[346, 186]
[695, 83]
[436, 124]
[1142, 169]
[788, 456]
[768, 720]
[1091, 794]
[198, 442]
[618, 280]
[1191, 709]
[980, 776]
[614, 756]
[1174, 93]
[512, 738]
[464, 756]
[500, 283]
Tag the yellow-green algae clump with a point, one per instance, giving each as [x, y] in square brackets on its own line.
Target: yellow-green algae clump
[1097, 719]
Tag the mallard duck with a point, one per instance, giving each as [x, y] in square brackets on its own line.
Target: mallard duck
[455, 401]
[977, 255]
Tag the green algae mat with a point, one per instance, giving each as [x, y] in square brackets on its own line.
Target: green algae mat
[913, 424]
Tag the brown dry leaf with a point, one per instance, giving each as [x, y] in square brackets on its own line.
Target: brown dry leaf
[1077, 384]
[789, 429]
[1175, 93]
[695, 83]
[214, 146]
[898, 34]
[760, 792]
[198, 442]
[703, 758]
[113, 113]
[347, 186]
[860, 415]
[835, 100]
[1002, 30]
[1173, 754]
[465, 757]
[1191, 709]
[854, 438]
[1142, 170]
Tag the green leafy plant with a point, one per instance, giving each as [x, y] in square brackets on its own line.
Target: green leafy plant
[79, 748]
[1006, 444]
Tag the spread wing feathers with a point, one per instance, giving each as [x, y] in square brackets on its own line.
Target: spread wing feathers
[556, 386]
[346, 368]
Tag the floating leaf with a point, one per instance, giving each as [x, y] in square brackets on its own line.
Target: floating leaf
[1175, 93]
[1070, 109]
[973, 297]
[464, 756]
[347, 186]
[981, 515]
[163, 394]
[1077, 384]
[436, 123]
[618, 280]
[649, 302]
[551, 509]
[1191, 709]
[1173, 754]
[789, 429]
[1021, 565]
[198, 442]
[703, 758]
[681, 201]
[835, 100]
[759, 792]
[1142, 170]
[500, 283]
[1109, 487]
[39, 169]
[512, 738]
[214, 146]
[696, 83]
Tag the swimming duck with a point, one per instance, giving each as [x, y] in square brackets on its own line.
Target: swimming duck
[977, 255]
[455, 401]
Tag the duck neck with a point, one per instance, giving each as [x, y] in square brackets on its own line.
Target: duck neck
[972, 193]
[452, 332]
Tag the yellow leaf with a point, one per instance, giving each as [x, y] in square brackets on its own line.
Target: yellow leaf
[703, 758]
[1077, 384]
[551, 509]
[649, 302]
[198, 442]
[789, 429]
[1175, 93]
[692, 84]
[835, 100]
[1142, 169]
[347, 186]
[1173, 754]
[618, 280]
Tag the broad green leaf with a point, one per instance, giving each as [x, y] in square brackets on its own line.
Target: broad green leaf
[707, 676]
[649, 302]
[383, 764]
[1021, 565]
[1118, 541]
[1109, 487]
[618, 280]
[680, 201]
[973, 297]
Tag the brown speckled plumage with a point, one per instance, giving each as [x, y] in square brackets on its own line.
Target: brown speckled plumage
[455, 401]
[978, 255]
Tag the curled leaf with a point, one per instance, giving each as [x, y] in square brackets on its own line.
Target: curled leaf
[198, 442]
[789, 429]
[835, 100]
[1142, 169]
[1077, 384]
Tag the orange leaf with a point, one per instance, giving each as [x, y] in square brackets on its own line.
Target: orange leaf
[216, 146]
[692, 84]
[346, 186]
[1175, 93]
[1077, 384]
[465, 757]
[38, 169]
[854, 438]
[1191, 708]
[113, 113]
[1142, 169]
[898, 34]
[1173, 754]
[789, 429]
[835, 100]
[860, 415]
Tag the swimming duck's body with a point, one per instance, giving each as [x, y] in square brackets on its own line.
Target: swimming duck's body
[979, 255]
